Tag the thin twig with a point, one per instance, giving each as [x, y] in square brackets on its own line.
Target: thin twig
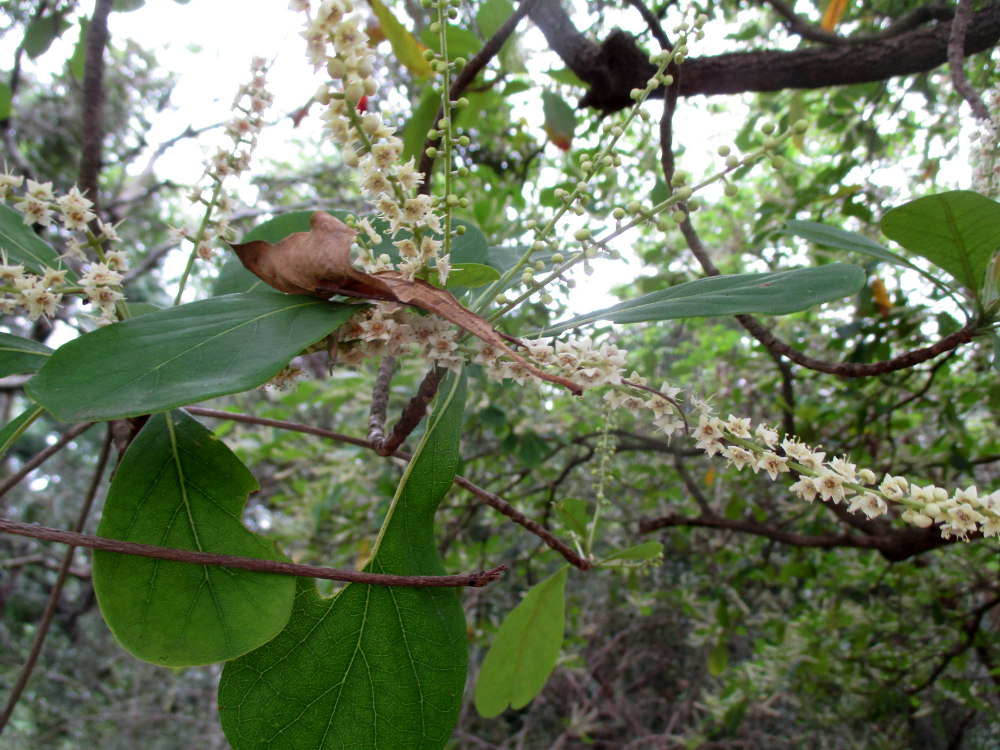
[50, 607]
[956, 60]
[412, 415]
[43, 455]
[498, 503]
[816, 33]
[278, 567]
[484, 495]
[466, 76]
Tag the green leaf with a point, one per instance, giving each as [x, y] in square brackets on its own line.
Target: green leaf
[470, 275]
[20, 355]
[566, 76]
[6, 100]
[828, 236]
[41, 32]
[574, 515]
[772, 293]
[489, 18]
[638, 552]
[560, 120]
[374, 666]
[525, 650]
[179, 486]
[23, 246]
[407, 49]
[718, 657]
[958, 231]
[77, 63]
[180, 355]
[13, 430]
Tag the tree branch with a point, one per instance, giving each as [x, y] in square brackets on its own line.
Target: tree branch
[484, 495]
[278, 567]
[956, 57]
[42, 629]
[916, 17]
[43, 455]
[898, 545]
[616, 66]
[92, 127]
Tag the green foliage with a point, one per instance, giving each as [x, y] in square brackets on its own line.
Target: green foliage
[19, 354]
[777, 293]
[184, 354]
[373, 666]
[178, 486]
[958, 231]
[525, 649]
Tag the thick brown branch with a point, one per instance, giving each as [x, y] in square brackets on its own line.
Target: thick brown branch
[616, 66]
[247, 563]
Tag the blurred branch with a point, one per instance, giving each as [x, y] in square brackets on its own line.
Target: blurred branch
[956, 58]
[50, 606]
[43, 455]
[91, 126]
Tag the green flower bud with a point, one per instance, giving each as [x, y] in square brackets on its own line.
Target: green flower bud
[581, 234]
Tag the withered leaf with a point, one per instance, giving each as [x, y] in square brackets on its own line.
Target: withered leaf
[318, 263]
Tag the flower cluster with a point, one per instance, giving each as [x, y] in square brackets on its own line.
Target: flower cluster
[837, 480]
[336, 41]
[40, 294]
[243, 130]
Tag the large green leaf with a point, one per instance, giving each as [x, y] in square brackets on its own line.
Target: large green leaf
[21, 355]
[958, 231]
[373, 667]
[179, 486]
[180, 355]
[525, 650]
[828, 236]
[22, 245]
[772, 293]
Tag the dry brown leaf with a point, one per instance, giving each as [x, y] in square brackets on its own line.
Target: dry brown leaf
[318, 263]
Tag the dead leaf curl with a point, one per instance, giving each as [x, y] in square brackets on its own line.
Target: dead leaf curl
[318, 263]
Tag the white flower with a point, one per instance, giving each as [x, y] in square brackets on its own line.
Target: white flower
[870, 504]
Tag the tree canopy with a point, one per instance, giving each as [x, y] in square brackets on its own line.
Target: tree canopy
[352, 439]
